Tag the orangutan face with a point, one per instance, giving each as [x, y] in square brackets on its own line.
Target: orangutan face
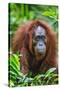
[39, 42]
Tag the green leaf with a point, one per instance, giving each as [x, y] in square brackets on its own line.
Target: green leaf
[49, 72]
[11, 83]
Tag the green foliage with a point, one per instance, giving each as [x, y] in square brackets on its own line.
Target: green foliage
[16, 78]
[14, 68]
[20, 13]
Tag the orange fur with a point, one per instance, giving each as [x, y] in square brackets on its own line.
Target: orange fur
[23, 39]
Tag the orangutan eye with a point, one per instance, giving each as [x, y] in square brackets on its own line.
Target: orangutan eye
[37, 38]
[43, 37]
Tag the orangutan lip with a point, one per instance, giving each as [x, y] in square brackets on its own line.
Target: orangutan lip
[41, 51]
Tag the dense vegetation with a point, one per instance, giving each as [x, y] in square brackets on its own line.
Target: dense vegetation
[18, 14]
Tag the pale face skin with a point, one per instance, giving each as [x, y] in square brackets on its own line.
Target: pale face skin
[40, 41]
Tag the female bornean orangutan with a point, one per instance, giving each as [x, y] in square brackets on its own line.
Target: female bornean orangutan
[36, 42]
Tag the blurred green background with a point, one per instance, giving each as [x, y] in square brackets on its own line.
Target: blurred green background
[21, 13]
